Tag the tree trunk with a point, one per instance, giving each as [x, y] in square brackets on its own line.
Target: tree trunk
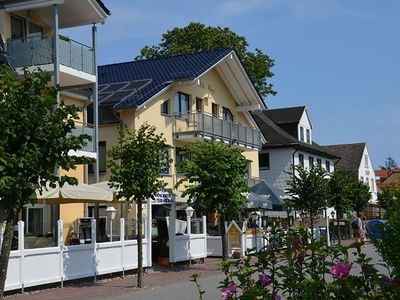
[223, 236]
[338, 225]
[140, 243]
[5, 251]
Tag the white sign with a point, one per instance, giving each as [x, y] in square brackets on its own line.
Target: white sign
[162, 198]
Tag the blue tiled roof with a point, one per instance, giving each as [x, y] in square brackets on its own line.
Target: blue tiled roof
[161, 71]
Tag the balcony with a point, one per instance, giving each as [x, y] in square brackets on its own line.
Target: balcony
[83, 128]
[76, 60]
[193, 125]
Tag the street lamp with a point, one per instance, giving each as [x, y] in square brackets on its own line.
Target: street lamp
[111, 212]
[189, 213]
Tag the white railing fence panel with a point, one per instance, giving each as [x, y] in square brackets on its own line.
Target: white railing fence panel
[34, 267]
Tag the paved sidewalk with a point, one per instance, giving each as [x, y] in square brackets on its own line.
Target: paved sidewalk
[120, 287]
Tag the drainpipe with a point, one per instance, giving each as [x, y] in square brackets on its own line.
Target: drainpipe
[96, 122]
[293, 174]
[55, 208]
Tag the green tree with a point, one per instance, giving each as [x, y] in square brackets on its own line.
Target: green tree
[35, 139]
[136, 164]
[197, 37]
[359, 195]
[390, 164]
[215, 174]
[339, 195]
[309, 191]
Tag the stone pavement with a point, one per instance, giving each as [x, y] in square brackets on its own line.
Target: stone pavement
[121, 287]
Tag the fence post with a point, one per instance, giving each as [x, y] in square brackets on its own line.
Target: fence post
[60, 244]
[94, 242]
[21, 248]
[189, 233]
[149, 232]
[205, 234]
[122, 239]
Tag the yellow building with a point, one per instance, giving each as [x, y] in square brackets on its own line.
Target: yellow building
[186, 97]
[30, 30]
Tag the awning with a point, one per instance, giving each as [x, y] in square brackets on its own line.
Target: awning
[162, 197]
[81, 193]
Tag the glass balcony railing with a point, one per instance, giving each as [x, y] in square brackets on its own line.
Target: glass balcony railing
[200, 124]
[81, 128]
[37, 51]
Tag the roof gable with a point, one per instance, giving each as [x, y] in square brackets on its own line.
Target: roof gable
[350, 155]
[277, 137]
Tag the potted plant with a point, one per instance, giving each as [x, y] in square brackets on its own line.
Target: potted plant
[163, 256]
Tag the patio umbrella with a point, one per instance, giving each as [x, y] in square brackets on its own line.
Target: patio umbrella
[255, 201]
[275, 194]
[81, 193]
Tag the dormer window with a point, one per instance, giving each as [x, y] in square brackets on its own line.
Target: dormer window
[308, 134]
[302, 133]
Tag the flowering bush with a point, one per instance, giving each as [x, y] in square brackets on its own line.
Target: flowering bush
[290, 268]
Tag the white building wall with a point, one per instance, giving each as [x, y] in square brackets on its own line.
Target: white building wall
[281, 161]
[367, 175]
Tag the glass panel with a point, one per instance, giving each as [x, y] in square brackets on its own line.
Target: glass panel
[197, 226]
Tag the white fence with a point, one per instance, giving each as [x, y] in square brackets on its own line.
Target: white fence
[32, 267]
[189, 246]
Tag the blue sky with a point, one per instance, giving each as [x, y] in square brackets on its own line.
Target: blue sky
[339, 58]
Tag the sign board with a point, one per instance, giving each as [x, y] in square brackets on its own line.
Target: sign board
[234, 236]
[162, 198]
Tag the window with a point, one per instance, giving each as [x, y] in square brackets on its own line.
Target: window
[102, 159]
[328, 166]
[18, 30]
[301, 160]
[372, 185]
[107, 115]
[165, 107]
[308, 133]
[263, 160]
[181, 103]
[179, 156]
[366, 161]
[226, 114]
[214, 109]
[311, 162]
[199, 104]
[301, 133]
[166, 170]
[34, 30]
[319, 162]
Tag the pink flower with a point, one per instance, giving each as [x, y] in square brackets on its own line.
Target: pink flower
[296, 244]
[229, 291]
[300, 257]
[265, 279]
[277, 297]
[340, 270]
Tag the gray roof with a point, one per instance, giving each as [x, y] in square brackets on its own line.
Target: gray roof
[286, 114]
[350, 155]
[278, 138]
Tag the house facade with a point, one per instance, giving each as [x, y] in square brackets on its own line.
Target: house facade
[30, 33]
[187, 98]
[355, 158]
[289, 142]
